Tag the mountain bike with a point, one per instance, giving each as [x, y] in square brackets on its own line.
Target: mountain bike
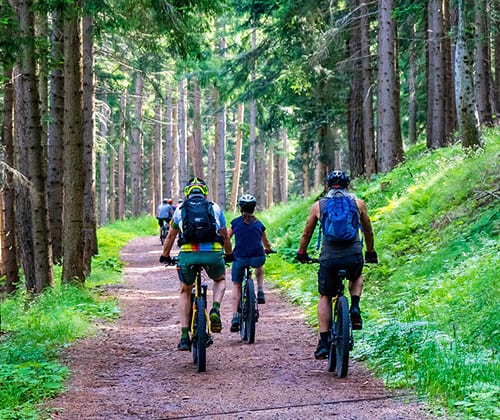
[164, 231]
[248, 308]
[341, 338]
[201, 336]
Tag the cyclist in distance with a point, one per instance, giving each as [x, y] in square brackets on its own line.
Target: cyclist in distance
[203, 238]
[251, 247]
[335, 255]
[165, 211]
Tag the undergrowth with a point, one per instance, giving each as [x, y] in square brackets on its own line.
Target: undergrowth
[34, 330]
[431, 305]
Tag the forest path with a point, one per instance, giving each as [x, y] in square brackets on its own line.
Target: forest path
[131, 369]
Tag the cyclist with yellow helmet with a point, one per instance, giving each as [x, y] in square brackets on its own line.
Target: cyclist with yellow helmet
[203, 240]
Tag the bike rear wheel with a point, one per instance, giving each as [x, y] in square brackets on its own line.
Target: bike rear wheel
[199, 339]
[342, 336]
[248, 312]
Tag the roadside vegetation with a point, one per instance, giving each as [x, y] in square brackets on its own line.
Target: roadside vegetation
[33, 331]
[431, 305]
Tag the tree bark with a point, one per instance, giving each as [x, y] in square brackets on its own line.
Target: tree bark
[137, 149]
[389, 141]
[36, 174]
[74, 267]
[9, 246]
[197, 145]
[157, 158]
[468, 118]
[55, 166]
[237, 157]
[182, 121]
[121, 192]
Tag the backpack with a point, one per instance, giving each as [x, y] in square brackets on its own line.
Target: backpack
[340, 218]
[198, 221]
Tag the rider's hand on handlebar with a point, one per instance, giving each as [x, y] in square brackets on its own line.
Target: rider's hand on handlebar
[371, 257]
[166, 260]
[228, 258]
[302, 257]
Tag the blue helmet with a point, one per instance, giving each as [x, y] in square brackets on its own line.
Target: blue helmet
[337, 179]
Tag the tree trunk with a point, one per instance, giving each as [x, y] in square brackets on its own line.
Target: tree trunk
[237, 157]
[197, 145]
[389, 141]
[496, 43]
[74, 267]
[284, 167]
[168, 151]
[482, 63]
[112, 185]
[137, 149]
[221, 154]
[177, 189]
[260, 172]
[90, 196]
[55, 164]
[366, 77]
[121, 192]
[253, 122]
[103, 174]
[157, 163]
[36, 174]
[436, 118]
[23, 216]
[468, 119]
[9, 247]
[182, 121]
[270, 175]
[412, 92]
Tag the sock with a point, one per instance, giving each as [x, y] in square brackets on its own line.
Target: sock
[184, 332]
[260, 289]
[355, 301]
[324, 336]
[216, 306]
[236, 315]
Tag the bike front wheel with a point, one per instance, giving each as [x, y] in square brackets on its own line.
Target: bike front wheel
[248, 312]
[199, 341]
[341, 340]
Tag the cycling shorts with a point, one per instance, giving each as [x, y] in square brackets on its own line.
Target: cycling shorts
[213, 260]
[239, 264]
[328, 280]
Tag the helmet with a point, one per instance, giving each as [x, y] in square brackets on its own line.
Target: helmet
[164, 201]
[196, 185]
[337, 179]
[247, 203]
[169, 201]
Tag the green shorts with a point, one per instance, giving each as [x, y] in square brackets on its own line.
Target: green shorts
[212, 260]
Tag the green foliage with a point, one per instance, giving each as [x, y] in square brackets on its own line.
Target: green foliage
[431, 306]
[35, 329]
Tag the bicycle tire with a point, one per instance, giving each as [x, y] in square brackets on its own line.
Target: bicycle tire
[342, 338]
[249, 312]
[199, 343]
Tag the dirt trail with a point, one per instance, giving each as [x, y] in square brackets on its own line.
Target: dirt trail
[132, 370]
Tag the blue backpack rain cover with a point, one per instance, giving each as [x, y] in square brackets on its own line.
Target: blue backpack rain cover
[340, 218]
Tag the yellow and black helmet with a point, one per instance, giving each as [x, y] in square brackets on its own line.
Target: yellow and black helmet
[196, 185]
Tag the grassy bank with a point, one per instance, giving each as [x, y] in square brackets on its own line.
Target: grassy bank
[431, 306]
[35, 330]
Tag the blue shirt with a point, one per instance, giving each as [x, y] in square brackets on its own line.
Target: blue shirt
[248, 238]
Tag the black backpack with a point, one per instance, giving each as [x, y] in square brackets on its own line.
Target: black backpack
[198, 221]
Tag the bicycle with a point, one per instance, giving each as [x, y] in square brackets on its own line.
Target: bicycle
[201, 336]
[341, 338]
[164, 231]
[248, 307]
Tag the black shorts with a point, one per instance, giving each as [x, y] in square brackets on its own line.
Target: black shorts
[162, 219]
[328, 279]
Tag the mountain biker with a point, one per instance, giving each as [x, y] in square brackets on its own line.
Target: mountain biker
[164, 212]
[334, 256]
[251, 246]
[209, 253]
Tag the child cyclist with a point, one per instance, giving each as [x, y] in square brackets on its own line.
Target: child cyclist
[251, 247]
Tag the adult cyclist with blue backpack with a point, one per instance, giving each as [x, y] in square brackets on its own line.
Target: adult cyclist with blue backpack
[341, 215]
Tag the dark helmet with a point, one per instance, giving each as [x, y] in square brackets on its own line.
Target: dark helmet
[337, 179]
[247, 203]
[196, 185]
[164, 201]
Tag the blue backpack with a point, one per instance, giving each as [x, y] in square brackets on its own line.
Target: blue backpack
[340, 218]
